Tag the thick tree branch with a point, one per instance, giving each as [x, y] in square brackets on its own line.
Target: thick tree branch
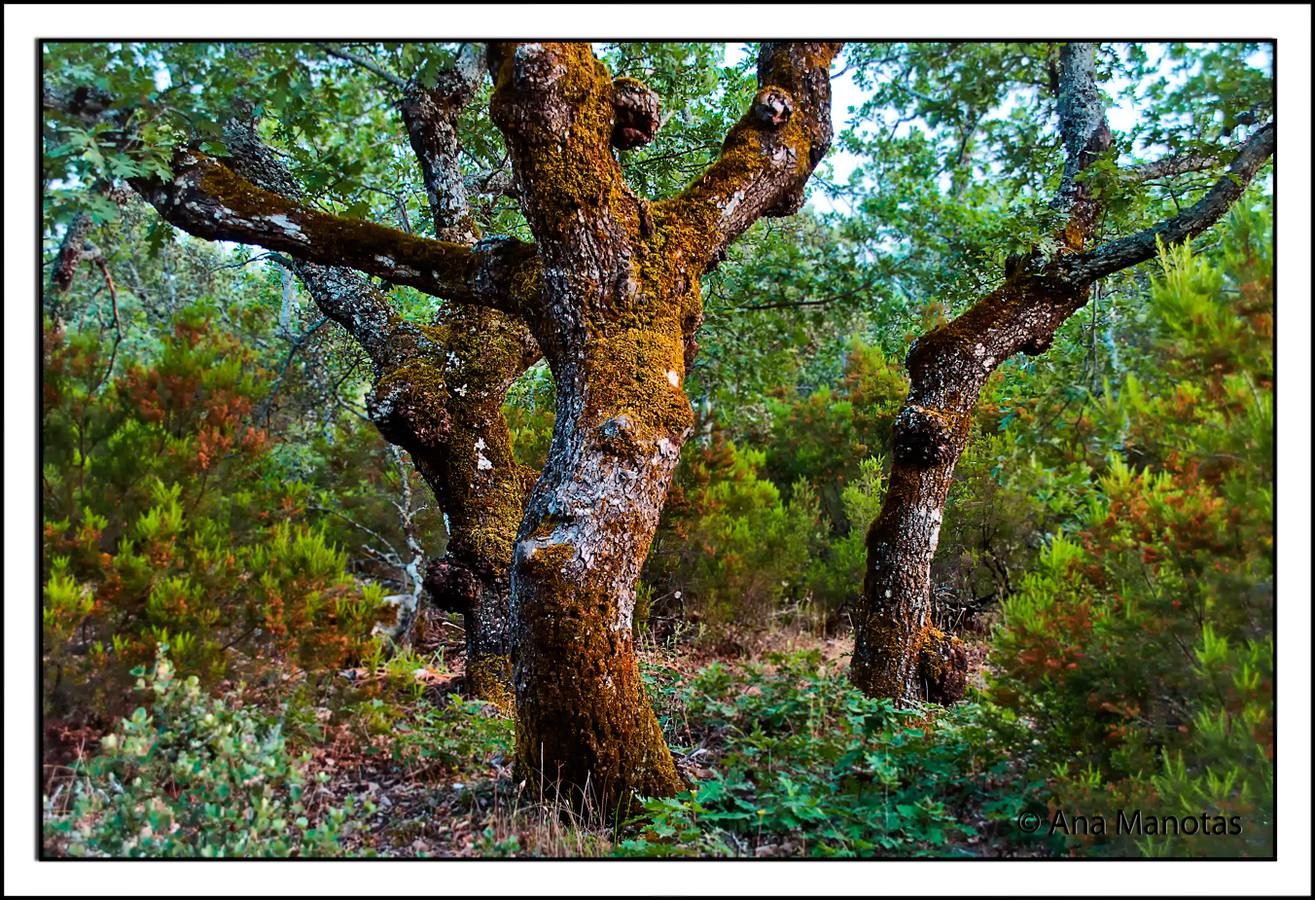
[210, 200]
[343, 295]
[257, 206]
[554, 104]
[431, 117]
[769, 154]
[1169, 166]
[1083, 131]
[1120, 254]
[365, 313]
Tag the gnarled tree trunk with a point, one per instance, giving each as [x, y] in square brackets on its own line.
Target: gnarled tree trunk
[438, 389]
[472, 469]
[897, 652]
[619, 307]
[610, 292]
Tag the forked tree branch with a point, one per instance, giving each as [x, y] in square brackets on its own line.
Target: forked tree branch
[769, 154]
[1128, 251]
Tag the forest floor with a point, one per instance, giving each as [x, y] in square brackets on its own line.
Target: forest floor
[481, 810]
[783, 759]
[466, 802]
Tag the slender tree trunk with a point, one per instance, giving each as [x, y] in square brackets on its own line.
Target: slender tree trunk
[897, 651]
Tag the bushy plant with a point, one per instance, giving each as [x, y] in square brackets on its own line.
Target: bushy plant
[191, 777]
[837, 567]
[1141, 644]
[805, 765]
[729, 549]
[165, 521]
[454, 737]
[823, 437]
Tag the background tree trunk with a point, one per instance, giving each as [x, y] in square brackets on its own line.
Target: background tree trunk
[897, 652]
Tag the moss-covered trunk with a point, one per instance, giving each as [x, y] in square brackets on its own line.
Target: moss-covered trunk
[893, 622]
[618, 309]
[445, 407]
[622, 415]
[897, 651]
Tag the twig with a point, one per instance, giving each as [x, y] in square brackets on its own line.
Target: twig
[267, 405]
[99, 262]
[364, 63]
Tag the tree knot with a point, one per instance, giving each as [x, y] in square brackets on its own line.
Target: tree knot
[452, 586]
[407, 416]
[638, 113]
[618, 435]
[772, 107]
[923, 437]
[943, 667]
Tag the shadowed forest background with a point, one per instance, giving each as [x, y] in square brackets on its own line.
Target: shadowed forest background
[245, 647]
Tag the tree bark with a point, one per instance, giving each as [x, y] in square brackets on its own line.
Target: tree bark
[439, 389]
[473, 471]
[619, 307]
[897, 652]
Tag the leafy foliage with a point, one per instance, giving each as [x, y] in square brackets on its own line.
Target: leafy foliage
[806, 765]
[193, 777]
[165, 522]
[1142, 642]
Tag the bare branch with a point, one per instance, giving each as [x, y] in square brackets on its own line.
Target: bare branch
[72, 250]
[1120, 254]
[1171, 165]
[266, 406]
[364, 63]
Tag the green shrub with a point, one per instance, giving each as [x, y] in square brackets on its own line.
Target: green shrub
[166, 520]
[193, 777]
[805, 765]
[729, 551]
[1141, 643]
[837, 567]
[453, 738]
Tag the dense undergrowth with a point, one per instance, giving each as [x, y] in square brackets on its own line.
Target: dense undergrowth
[1108, 549]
